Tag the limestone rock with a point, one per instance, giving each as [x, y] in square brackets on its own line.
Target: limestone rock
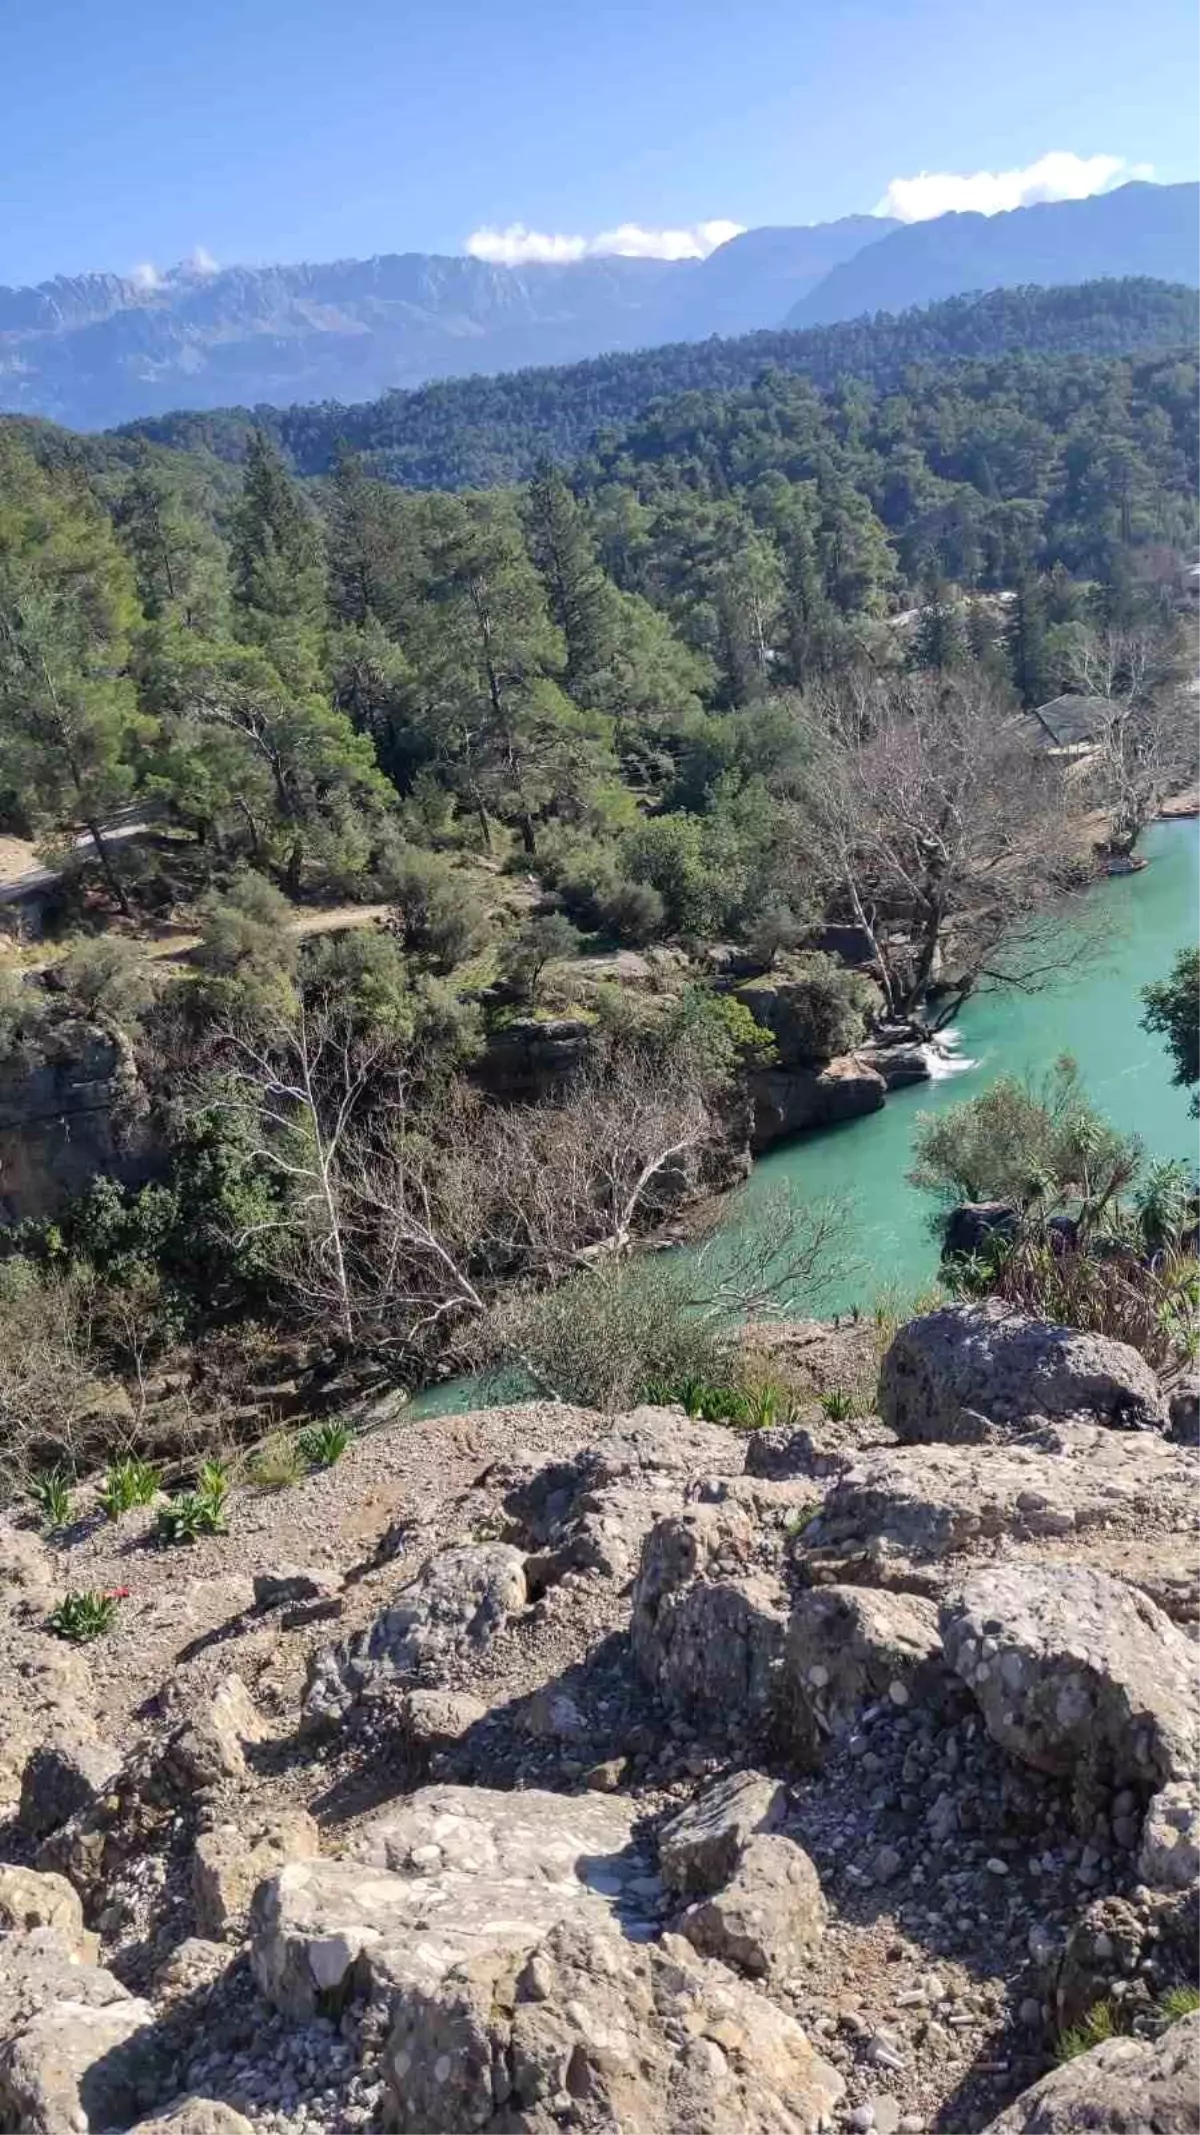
[788, 1100]
[61, 1777]
[768, 1918]
[1169, 1854]
[209, 1748]
[1123, 2087]
[228, 1865]
[979, 1372]
[1184, 1409]
[709, 1621]
[288, 1584]
[1076, 1674]
[45, 1689]
[27, 1574]
[29, 1899]
[898, 1517]
[456, 1872]
[592, 1513]
[195, 2116]
[76, 2050]
[699, 1848]
[1147, 1942]
[457, 1603]
[654, 2039]
[848, 1647]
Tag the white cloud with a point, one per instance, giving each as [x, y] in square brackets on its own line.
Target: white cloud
[200, 261]
[146, 275]
[518, 247]
[1061, 175]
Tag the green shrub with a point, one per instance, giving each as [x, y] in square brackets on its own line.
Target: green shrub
[1036, 1146]
[838, 1405]
[1100, 2023]
[86, 1615]
[324, 1444]
[277, 1462]
[51, 1493]
[545, 939]
[108, 977]
[128, 1483]
[439, 913]
[813, 1007]
[1177, 2002]
[196, 1512]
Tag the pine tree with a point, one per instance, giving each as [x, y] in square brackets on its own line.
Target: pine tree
[578, 595]
[275, 555]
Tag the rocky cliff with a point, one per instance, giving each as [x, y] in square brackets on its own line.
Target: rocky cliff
[536, 1769]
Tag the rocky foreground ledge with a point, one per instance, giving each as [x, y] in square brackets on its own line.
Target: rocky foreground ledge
[536, 1770]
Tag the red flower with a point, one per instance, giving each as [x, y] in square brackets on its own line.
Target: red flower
[118, 1593]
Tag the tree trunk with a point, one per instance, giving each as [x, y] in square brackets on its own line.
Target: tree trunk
[108, 870]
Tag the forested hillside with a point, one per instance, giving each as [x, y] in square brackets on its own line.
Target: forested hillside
[743, 690]
[482, 432]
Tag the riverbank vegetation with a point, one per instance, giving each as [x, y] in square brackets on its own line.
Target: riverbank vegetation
[435, 883]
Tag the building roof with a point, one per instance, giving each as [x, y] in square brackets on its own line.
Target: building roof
[1072, 722]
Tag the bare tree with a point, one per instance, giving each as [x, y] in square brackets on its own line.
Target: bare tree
[1149, 749]
[947, 834]
[406, 1215]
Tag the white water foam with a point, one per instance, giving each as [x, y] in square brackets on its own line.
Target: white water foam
[944, 1057]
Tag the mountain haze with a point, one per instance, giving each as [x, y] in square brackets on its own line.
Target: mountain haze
[1138, 229]
[95, 350]
[99, 350]
[474, 433]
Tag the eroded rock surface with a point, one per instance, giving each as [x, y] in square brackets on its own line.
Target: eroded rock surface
[655, 2039]
[451, 1873]
[980, 1372]
[1123, 2087]
[1076, 1674]
[455, 1605]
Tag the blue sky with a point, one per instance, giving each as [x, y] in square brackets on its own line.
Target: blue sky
[292, 129]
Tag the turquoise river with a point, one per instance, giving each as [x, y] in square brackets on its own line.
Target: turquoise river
[1093, 1013]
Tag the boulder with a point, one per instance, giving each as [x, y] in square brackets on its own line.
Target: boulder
[1135, 1948]
[709, 1620]
[45, 1690]
[848, 1647]
[592, 1513]
[289, 1584]
[907, 1516]
[195, 2116]
[29, 1899]
[788, 1100]
[455, 1606]
[981, 1373]
[1169, 1853]
[768, 1919]
[209, 1747]
[975, 1225]
[699, 1848]
[1122, 2087]
[457, 1872]
[901, 1064]
[229, 1864]
[1184, 1412]
[654, 2039]
[62, 1776]
[77, 2052]
[1076, 1674]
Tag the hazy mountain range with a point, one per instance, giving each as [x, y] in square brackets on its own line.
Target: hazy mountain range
[96, 350]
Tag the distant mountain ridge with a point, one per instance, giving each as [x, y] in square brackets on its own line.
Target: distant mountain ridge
[1137, 230]
[475, 433]
[93, 351]
[96, 350]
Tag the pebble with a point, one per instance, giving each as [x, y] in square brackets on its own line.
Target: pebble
[887, 2114]
[862, 2118]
